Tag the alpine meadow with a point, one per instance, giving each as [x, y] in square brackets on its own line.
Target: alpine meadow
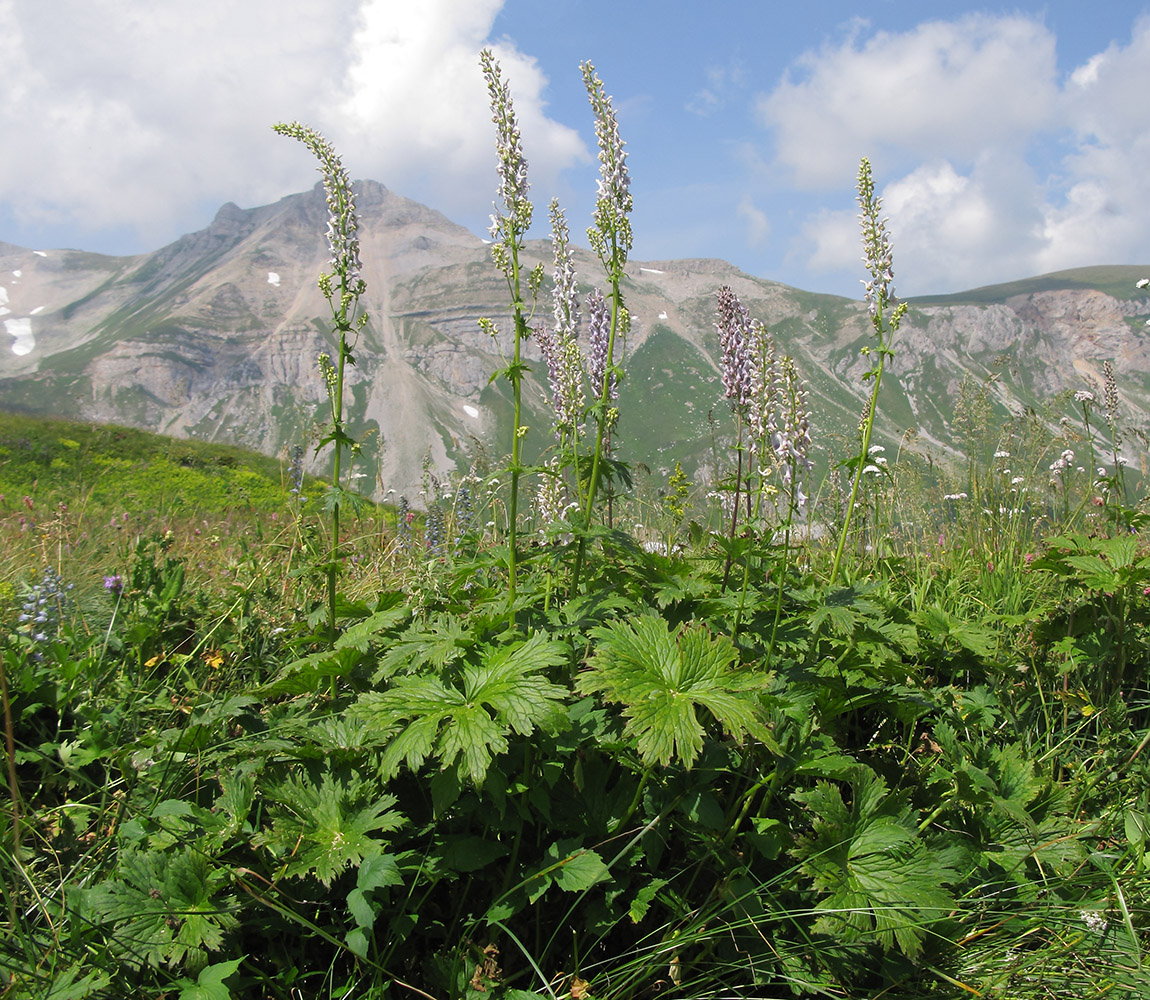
[845, 718]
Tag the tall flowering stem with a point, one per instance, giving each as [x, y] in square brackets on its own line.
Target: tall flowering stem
[610, 238]
[560, 345]
[885, 315]
[733, 325]
[509, 224]
[342, 286]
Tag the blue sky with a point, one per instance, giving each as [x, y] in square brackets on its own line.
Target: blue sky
[1006, 141]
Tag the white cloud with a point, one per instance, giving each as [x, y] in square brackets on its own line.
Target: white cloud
[758, 226]
[416, 102]
[989, 168]
[942, 90]
[142, 117]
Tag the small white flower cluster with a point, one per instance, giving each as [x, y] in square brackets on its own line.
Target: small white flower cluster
[1061, 466]
[876, 460]
[1084, 396]
[1094, 921]
[956, 496]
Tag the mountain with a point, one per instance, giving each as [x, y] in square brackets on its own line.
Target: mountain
[216, 337]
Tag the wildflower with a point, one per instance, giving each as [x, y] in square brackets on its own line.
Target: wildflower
[559, 347]
[953, 496]
[1017, 479]
[549, 496]
[434, 532]
[1002, 454]
[765, 380]
[464, 510]
[295, 472]
[42, 611]
[510, 222]
[1094, 921]
[611, 235]
[599, 322]
[792, 440]
[1142, 282]
[878, 252]
[734, 329]
[403, 519]
[114, 584]
[1084, 396]
[342, 226]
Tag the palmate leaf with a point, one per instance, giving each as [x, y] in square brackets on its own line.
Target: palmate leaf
[662, 677]
[877, 876]
[164, 906]
[468, 719]
[322, 829]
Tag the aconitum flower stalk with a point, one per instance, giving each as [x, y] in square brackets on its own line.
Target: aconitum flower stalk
[599, 328]
[342, 289]
[763, 381]
[733, 325]
[611, 236]
[792, 440]
[342, 223]
[509, 224]
[513, 218]
[878, 291]
[560, 348]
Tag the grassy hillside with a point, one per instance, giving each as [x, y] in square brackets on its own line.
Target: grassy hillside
[1117, 280]
[51, 461]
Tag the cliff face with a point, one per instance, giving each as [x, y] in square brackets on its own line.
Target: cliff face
[216, 336]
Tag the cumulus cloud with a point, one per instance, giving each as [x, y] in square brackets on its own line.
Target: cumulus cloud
[989, 165]
[943, 89]
[142, 117]
[417, 104]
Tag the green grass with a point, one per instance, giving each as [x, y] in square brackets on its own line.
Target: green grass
[1116, 280]
[54, 461]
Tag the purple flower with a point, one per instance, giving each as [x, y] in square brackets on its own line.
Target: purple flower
[734, 328]
[599, 321]
[114, 584]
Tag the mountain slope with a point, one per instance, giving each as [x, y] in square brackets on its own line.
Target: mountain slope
[216, 337]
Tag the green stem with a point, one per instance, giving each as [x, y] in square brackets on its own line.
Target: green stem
[517, 436]
[868, 425]
[600, 433]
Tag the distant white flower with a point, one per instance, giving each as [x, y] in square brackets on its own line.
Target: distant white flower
[1017, 479]
[1084, 396]
[1142, 283]
[876, 449]
[1002, 454]
[873, 469]
[1094, 921]
[955, 496]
